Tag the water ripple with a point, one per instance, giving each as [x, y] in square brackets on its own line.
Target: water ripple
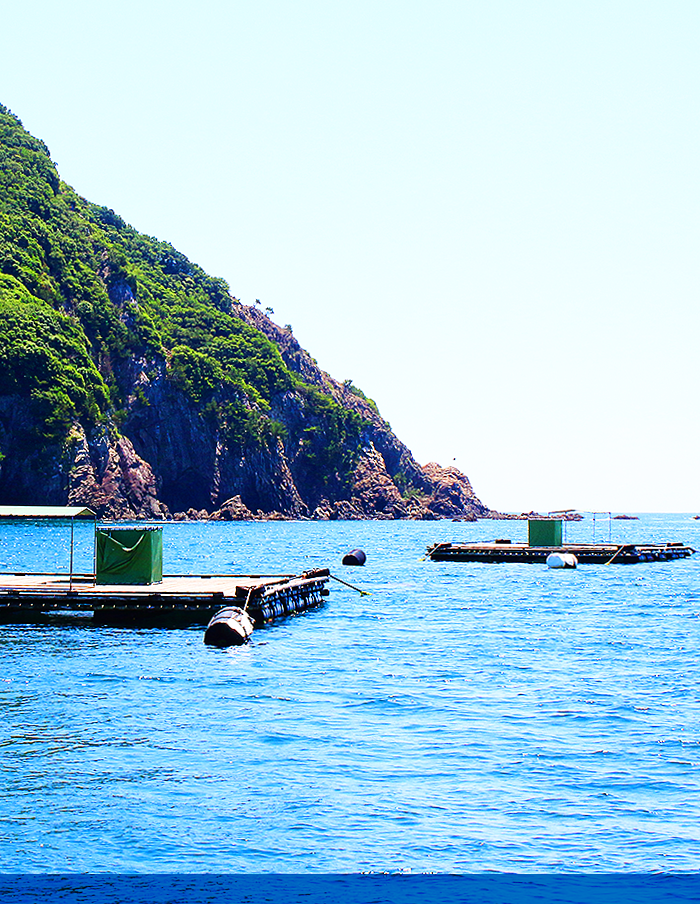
[461, 718]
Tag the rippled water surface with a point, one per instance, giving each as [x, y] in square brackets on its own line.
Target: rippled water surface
[461, 717]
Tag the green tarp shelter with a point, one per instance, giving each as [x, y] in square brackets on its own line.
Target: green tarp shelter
[129, 555]
[545, 532]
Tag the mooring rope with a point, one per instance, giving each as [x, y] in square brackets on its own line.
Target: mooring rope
[433, 549]
[618, 551]
[351, 586]
[248, 599]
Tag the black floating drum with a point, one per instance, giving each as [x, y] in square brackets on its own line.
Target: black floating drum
[229, 628]
[355, 557]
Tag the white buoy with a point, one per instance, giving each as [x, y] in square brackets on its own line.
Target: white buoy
[561, 560]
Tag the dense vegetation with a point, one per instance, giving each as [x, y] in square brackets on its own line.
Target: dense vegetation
[82, 292]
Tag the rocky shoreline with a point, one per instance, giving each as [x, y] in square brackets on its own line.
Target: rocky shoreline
[236, 510]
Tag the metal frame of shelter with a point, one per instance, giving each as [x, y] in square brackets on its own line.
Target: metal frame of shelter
[565, 512]
[609, 514]
[50, 513]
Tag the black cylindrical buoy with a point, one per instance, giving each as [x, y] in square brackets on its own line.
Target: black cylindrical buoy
[355, 557]
[230, 627]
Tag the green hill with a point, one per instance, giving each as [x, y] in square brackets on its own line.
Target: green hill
[118, 356]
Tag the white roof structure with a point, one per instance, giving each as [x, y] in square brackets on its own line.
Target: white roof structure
[36, 512]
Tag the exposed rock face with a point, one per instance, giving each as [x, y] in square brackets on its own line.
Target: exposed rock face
[435, 492]
[452, 492]
[429, 491]
[100, 471]
[374, 494]
[194, 466]
[27, 475]
[233, 510]
[168, 459]
[110, 478]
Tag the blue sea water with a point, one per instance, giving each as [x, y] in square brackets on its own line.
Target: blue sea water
[460, 718]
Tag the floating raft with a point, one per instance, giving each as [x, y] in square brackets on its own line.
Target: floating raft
[587, 554]
[175, 601]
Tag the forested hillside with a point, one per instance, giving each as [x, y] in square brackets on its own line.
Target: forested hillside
[132, 381]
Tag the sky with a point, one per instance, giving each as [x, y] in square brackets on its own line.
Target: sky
[484, 213]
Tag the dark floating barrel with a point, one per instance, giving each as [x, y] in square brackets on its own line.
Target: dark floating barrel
[355, 557]
[231, 627]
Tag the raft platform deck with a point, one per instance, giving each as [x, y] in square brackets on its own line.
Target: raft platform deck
[586, 553]
[177, 600]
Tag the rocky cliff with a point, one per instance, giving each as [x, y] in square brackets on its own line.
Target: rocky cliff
[133, 382]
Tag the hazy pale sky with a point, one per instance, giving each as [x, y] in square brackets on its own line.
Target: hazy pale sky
[486, 214]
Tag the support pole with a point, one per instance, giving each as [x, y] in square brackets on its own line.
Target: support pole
[70, 582]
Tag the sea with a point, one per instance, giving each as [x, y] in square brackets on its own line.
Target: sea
[432, 718]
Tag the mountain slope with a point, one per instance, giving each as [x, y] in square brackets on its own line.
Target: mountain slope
[132, 381]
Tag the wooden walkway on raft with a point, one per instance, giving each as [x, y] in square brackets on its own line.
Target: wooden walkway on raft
[177, 600]
[586, 553]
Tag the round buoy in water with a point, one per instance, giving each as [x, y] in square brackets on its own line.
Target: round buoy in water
[230, 627]
[561, 560]
[355, 557]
